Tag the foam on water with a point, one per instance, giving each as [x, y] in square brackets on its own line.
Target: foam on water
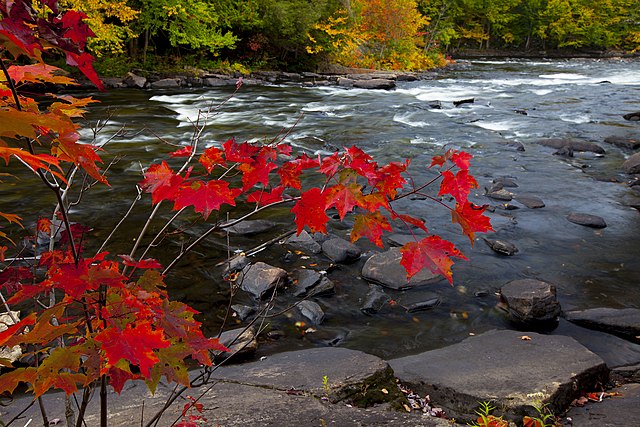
[575, 118]
[495, 126]
[406, 119]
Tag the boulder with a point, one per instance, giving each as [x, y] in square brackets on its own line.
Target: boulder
[260, 279]
[385, 84]
[312, 311]
[508, 368]
[632, 164]
[633, 117]
[587, 220]
[134, 81]
[531, 301]
[241, 342]
[251, 227]
[166, 84]
[324, 288]
[375, 299]
[304, 242]
[384, 268]
[572, 145]
[623, 142]
[340, 250]
[624, 322]
[345, 82]
[305, 279]
[218, 81]
[506, 181]
[532, 202]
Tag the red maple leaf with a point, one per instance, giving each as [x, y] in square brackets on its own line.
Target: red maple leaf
[330, 165]
[471, 219]
[344, 198]
[241, 153]
[206, 197]
[362, 163]
[433, 253]
[284, 149]
[256, 171]
[458, 185]
[389, 178]
[310, 211]
[290, 175]
[135, 344]
[183, 152]
[461, 159]
[408, 219]
[211, 157]
[371, 226]
[263, 198]
[144, 263]
[161, 182]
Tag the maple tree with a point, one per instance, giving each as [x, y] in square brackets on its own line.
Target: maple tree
[104, 320]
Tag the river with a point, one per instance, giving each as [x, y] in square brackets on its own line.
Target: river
[514, 101]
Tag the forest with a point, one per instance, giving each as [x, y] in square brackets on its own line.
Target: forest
[384, 34]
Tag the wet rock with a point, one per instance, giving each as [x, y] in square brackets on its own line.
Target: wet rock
[402, 239]
[241, 342]
[506, 181]
[340, 250]
[500, 194]
[532, 202]
[531, 301]
[384, 268]
[304, 280]
[587, 220]
[633, 117]
[624, 322]
[312, 311]
[304, 242]
[345, 82]
[251, 227]
[324, 288]
[623, 142]
[423, 305]
[464, 101]
[113, 83]
[235, 264]
[243, 312]
[134, 81]
[260, 279]
[218, 81]
[572, 144]
[501, 246]
[622, 410]
[166, 84]
[504, 368]
[385, 84]
[435, 105]
[518, 146]
[375, 299]
[632, 164]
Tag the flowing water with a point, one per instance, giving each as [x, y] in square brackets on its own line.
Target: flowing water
[582, 99]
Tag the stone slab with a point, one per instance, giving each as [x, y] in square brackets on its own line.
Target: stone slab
[501, 367]
[618, 411]
[625, 321]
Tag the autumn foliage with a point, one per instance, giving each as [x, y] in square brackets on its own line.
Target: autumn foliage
[102, 319]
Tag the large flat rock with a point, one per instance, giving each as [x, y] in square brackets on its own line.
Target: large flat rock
[501, 367]
[624, 322]
[618, 411]
[384, 268]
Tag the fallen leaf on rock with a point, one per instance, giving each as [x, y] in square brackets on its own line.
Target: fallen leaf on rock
[406, 407]
[525, 338]
[384, 391]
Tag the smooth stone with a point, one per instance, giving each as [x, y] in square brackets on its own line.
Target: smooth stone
[345, 82]
[616, 411]
[340, 250]
[572, 145]
[251, 227]
[506, 181]
[504, 368]
[134, 81]
[532, 202]
[305, 279]
[422, 305]
[375, 299]
[324, 288]
[165, 84]
[624, 322]
[241, 342]
[235, 264]
[260, 279]
[623, 142]
[633, 117]
[500, 194]
[385, 84]
[243, 312]
[587, 220]
[305, 243]
[312, 311]
[531, 301]
[385, 269]
[632, 164]
[501, 247]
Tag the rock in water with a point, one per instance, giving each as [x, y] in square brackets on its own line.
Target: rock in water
[312, 311]
[572, 145]
[632, 164]
[375, 299]
[624, 322]
[260, 279]
[501, 246]
[587, 220]
[531, 301]
[384, 268]
[340, 250]
[633, 117]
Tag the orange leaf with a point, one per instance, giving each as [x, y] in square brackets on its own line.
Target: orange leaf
[206, 197]
[433, 253]
[310, 211]
[344, 198]
[371, 226]
[471, 219]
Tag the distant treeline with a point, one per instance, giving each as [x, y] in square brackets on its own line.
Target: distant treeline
[301, 34]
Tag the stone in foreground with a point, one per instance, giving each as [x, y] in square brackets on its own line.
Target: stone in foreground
[625, 322]
[350, 373]
[502, 367]
[384, 268]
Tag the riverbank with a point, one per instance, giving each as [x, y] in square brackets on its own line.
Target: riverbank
[542, 54]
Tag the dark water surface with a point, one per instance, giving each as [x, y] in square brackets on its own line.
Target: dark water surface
[580, 99]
